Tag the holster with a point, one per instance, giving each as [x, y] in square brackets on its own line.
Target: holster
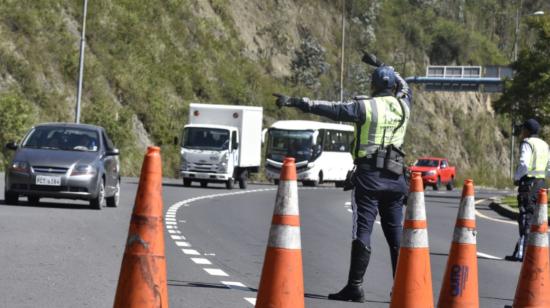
[349, 182]
[391, 159]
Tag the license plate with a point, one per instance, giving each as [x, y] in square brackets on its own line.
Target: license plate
[202, 175]
[48, 180]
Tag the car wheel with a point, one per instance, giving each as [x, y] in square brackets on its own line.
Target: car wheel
[229, 184]
[451, 185]
[437, 184]
[98, 202]
[243, 181]
[276, 182]
[186, 182]
[10, 198]
[204, 184]
[310, 183]
[33, 199]
[115, 198]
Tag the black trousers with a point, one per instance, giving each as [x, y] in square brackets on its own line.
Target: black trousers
[527, 199]
[366, 205]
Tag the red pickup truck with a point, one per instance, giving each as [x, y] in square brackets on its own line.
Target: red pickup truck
[435, 172]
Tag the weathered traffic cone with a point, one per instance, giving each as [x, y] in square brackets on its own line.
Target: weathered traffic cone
[412, 287]
[533, 288]
[142, 280]
[282, 280]
[460, 283]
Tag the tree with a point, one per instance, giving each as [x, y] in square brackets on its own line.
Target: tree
[528, 94]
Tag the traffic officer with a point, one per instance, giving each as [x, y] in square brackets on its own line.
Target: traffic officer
[530, 178]
[380, 126]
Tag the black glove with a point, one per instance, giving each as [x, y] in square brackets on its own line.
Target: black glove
[286, 101]
[371, 59]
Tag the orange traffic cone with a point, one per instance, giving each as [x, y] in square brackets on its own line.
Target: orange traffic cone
[142, 280]
[412, 286]
[282, 280]
[460, 284]
[533, 288]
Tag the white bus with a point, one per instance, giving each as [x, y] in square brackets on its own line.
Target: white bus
[322, 150]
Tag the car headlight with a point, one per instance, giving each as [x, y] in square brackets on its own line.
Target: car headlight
[83, 170]
[20, 166]
[431, 172]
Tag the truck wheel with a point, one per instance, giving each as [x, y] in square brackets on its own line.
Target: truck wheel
[186, 182]
[243, 181]
[437, 184]
[451, 185]
[10, 198]
[276, 182]
[204, 184]
[229, 184]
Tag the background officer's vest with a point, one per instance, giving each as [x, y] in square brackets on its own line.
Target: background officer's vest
[539, 159]
[382, 116]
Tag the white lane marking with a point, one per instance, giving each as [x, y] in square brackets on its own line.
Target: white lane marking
[201, 261]
[177, 237]
[251, 300]
[191, 252]
[347, 203]
[215, 272]
[170, 227]
[171, 223]
[349, 210]
[182, 244]
[236, 285]
[487, 256]
[172, 231]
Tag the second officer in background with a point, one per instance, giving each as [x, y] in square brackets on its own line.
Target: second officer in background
[380, 126]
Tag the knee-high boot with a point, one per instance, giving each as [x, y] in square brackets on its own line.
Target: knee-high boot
[353, 291]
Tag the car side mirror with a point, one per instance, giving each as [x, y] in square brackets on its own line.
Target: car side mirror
[235, 145]
[113, 152]
[11, 146]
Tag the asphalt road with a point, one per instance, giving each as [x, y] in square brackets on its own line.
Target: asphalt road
[62, 254]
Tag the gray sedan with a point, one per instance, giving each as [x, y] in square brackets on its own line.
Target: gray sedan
[62, 160]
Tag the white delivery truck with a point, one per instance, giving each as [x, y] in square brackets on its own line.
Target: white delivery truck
[221, 143]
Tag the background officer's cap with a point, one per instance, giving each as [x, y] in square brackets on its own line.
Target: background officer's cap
[532, 126]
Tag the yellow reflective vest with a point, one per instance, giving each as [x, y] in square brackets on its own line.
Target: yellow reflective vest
[539, 158]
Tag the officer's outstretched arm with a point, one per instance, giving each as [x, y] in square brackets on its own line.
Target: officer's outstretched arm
[345, 111]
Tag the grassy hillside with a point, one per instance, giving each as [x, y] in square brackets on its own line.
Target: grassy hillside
[146, 60]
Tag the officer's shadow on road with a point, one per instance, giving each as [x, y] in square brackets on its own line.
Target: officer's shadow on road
[42, 204]
[191, 284]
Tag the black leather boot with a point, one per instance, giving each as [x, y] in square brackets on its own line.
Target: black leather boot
[353, 291]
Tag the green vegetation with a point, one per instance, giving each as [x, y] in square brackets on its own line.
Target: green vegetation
[147, 60]
[511, 201]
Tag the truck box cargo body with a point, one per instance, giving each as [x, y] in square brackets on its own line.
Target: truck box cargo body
[221, 143]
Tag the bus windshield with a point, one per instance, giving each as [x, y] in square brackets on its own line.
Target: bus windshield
[293, 143]
[204, 138]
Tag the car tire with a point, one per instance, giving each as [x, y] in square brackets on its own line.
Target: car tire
[186, 182]
[204, 184]
[276, 182]
[451, 184]
[229, 184]
[33, 199]
[437, 184]
[10, 197]
[99, 201]
[114, 200]
[310, 183]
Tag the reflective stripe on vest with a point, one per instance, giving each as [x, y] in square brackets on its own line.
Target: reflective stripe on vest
[539, 159]
[382, 116]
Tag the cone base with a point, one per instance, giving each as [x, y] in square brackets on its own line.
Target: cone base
[282, 282]
[412, 287]
[534, 281]
[460, 283]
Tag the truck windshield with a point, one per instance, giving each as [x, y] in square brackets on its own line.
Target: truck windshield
[427, 163]
[205, 138]
[293, 143]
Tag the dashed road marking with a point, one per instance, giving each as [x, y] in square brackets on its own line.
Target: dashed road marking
[251, 300]
[215, 272]
[487, 256]
[191, 252]
[236, 285]
[182, 244]
[201, 261]
[177, 237]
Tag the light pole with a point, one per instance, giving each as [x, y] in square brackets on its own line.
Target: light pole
[81, 68]
[515, 58]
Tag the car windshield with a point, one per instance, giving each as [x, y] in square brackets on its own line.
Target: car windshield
[427, 163]
[62, 138]
[293, 143]
[205, 138]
